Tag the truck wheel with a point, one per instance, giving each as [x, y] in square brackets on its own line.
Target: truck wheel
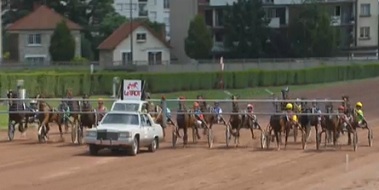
[154, 145]
[135, 147]
[93, 149]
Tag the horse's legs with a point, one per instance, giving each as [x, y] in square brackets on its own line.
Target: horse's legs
[252, 133]
[287, 131]
[277, 136]
[348, 137]
[185, 136]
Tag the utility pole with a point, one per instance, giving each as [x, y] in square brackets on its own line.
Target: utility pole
[131, 30]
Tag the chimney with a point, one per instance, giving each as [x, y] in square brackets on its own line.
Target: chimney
[36, 5]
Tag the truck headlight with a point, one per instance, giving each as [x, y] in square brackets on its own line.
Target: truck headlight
[124, 135]
[91, 134]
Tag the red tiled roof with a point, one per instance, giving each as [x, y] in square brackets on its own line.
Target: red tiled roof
[123, 32]
[43, 18]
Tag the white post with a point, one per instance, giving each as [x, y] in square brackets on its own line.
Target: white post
[91, 68]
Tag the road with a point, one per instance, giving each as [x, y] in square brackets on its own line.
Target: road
[25, 164]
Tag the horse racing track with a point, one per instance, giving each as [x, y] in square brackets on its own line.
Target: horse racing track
[25, 164]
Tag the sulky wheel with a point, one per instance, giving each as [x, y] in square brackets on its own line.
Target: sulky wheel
[263, 140]
[174, 139]
[79, 132]
[318, 141]
[73, 132]
[370, 137]
[355, 140]
[210, 138]
[227, 135]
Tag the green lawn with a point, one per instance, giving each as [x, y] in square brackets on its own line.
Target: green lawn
[209, 94]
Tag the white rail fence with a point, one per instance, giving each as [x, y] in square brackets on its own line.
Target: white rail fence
[164, 104]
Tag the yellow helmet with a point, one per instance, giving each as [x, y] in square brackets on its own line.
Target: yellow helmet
[289, 106]
[359, 104]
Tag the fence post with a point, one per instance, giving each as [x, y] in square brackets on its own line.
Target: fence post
[164, 111]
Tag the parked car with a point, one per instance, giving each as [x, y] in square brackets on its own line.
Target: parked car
[129, 105]
[124, 130]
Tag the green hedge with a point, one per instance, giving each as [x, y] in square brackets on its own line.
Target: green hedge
[54, 84]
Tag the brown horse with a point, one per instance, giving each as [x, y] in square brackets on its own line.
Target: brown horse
[210, 117]
[74, 107]
[185, 119]
[237, 121]
[47, 116]
[331, 125]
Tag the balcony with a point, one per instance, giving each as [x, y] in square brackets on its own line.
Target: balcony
[221, 2]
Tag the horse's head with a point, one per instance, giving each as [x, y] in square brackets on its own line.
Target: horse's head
[329, 107]
[235, 103]
[11, 95]
[285, 92]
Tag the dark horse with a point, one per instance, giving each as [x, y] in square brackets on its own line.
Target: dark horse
[46, 116]
[239, 120]
[88, 116]
[16, 118]
[74, 106]
[308, 121]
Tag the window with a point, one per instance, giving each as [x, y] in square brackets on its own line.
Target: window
[364, 32]
[365, 9]
[155, 58]
[142, 8]
[219, 37]
[141, 37]
[35, 60]
[126, 58]
[34, 39]
[153, 15]
[166, 4]
[146, 120]
[337, 11]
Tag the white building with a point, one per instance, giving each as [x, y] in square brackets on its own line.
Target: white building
[154, 10]
[148, 47]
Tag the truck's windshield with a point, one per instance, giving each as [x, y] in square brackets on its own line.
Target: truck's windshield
[125, 107]
[121, 118]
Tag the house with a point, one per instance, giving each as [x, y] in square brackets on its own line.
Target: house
[134, 44]
[155, 11]
[30, 35]
[356, 21]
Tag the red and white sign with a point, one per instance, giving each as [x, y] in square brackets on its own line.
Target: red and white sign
[132, 90]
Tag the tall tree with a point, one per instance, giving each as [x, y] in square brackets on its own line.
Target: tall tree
[245, 28]
[199, 42]
[62, 43]
[310, 32]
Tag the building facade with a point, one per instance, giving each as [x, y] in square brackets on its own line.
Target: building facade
[154, 10]
[356, 21]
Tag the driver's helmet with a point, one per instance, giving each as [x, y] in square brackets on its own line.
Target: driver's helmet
[33, 102]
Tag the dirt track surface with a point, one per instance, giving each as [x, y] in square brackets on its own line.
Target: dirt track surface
[25, 164]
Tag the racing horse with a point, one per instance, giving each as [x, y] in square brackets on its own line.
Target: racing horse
[185, 119]
[15, 118]
[277, 125]
[48, 115]
[237, 121]
[88, 115]
[74, 106]
[308, 121]
[210, 117]
[330, 125]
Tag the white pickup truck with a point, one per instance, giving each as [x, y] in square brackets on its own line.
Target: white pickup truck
[124, 130]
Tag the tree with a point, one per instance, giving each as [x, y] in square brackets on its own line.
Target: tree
[199, 42]
[62, 43]
[310, 32]
[245, 29]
